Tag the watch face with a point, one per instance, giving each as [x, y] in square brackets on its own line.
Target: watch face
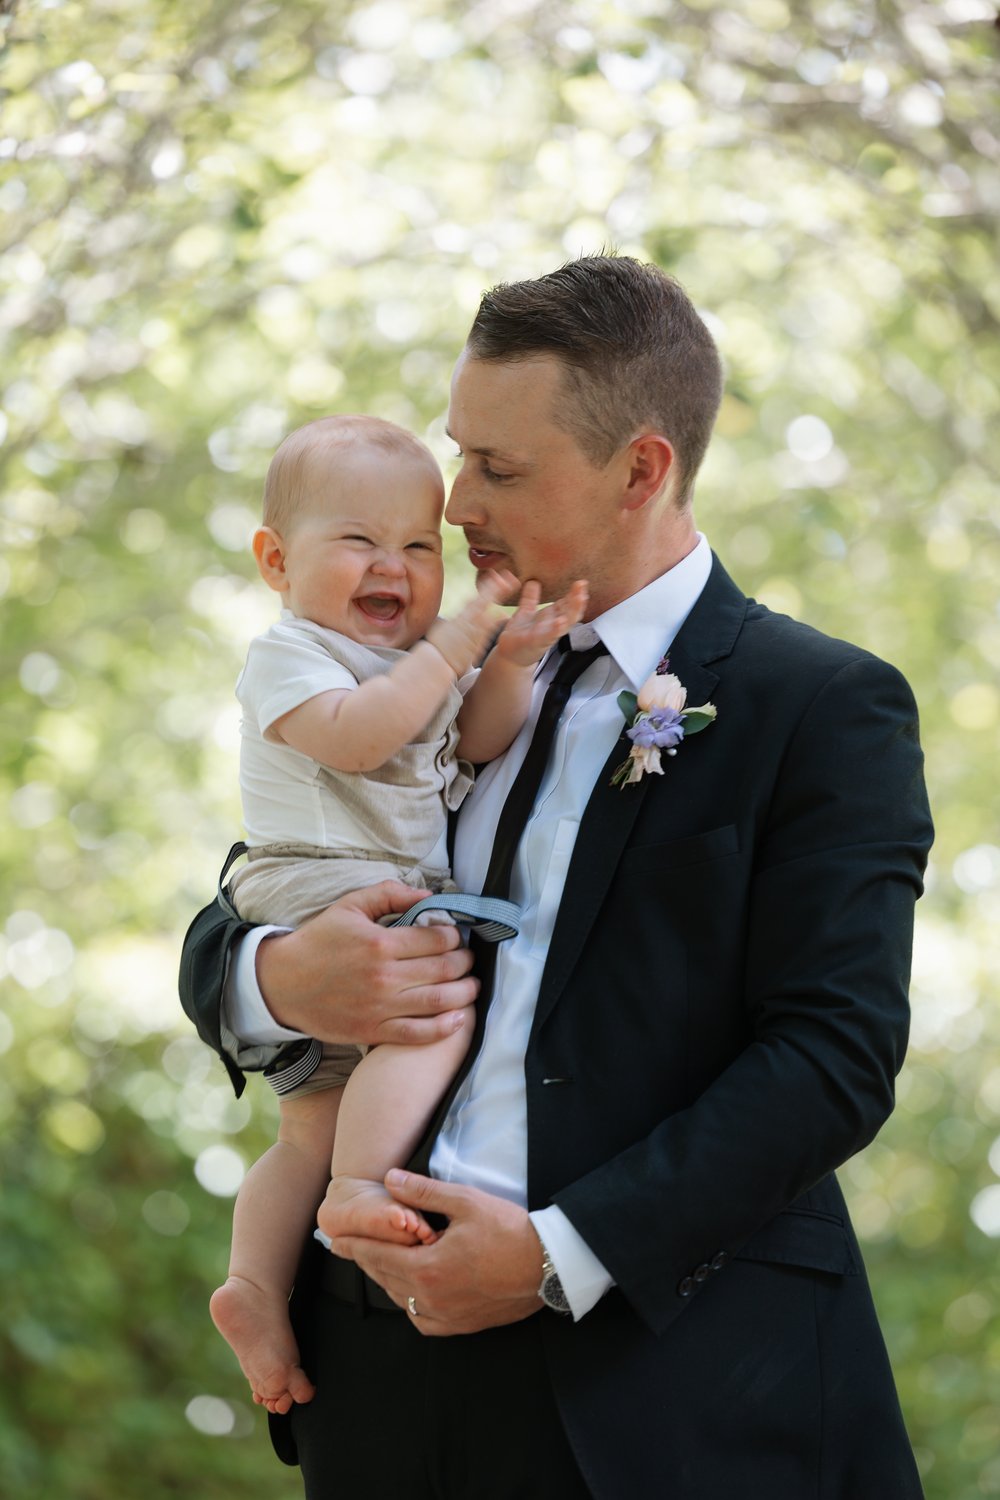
[553, 1295]
[551, 1290]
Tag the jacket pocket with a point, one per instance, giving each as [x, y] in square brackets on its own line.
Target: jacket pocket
[803, 1237]
[673, 854]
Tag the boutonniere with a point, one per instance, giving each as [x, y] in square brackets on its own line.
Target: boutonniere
[657, 718]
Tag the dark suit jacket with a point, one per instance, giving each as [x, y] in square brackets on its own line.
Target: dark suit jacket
[724, 1010]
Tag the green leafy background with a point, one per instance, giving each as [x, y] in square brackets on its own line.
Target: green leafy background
[221, 219]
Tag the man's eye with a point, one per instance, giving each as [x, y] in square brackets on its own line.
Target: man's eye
[494, 475]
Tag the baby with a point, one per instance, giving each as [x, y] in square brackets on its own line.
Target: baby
[356, 705]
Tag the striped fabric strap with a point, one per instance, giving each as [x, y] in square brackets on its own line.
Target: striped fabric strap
[303, 1060]
[489, 917]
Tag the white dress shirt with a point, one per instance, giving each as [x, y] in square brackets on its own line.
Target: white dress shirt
[483, 1142]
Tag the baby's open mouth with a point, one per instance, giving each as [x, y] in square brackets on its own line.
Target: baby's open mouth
[383, 607]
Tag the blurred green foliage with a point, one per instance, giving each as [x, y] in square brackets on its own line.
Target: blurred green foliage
[224, 218]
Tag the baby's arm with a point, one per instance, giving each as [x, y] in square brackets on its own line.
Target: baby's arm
[497, 704]
[359, 729]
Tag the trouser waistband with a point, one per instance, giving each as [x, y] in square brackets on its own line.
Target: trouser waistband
[348, 1283]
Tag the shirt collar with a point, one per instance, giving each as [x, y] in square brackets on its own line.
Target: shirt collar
[640, 629]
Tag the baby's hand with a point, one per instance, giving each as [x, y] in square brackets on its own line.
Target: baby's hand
[463, 640]
[530, 631]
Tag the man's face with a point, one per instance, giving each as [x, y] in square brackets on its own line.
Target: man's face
[527, 496]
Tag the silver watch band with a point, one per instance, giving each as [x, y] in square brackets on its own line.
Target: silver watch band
[551, 1289]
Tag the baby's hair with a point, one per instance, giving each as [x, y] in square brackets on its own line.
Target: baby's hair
[285, 480]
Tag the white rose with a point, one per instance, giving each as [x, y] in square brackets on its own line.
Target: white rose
[663, 691]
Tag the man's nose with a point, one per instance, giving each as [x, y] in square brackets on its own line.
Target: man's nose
[462, 508]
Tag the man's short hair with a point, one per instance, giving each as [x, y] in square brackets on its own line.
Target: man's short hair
[327, 436]
[637, 355]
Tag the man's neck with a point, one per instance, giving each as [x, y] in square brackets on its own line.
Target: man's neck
[673, 540]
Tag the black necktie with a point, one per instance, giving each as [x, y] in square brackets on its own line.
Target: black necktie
[521, 797]
[510, 826]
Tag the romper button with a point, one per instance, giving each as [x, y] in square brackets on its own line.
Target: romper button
[701, 1274]
[719, 1260]
[686, 1287]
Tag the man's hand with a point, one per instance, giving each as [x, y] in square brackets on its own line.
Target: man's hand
[484, 1270]
[342, 978]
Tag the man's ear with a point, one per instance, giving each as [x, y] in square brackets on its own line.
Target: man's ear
[650, 459]
[269, 550]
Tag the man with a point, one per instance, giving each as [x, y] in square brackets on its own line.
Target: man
[701, 1018]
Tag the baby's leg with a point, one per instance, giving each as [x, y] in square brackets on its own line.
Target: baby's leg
[274, 1209]
[387, 1104]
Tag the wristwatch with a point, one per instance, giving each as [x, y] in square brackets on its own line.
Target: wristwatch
[551, 1290]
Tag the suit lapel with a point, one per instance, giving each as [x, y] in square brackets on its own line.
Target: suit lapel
[707, 635]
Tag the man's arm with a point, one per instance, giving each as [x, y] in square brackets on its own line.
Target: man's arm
[340, 977]
[205, 960]
[837, 870]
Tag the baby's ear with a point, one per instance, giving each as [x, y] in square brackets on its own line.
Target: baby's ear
[269, 550]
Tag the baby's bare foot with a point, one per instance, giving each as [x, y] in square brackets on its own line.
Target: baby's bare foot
[357, 1206]
[256, 1328]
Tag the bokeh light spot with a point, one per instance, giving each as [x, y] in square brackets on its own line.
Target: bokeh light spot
[220, 1170]
[74, 1126]
[210, 1415]
[166, 1213]
[985, 1211]
[976, 706]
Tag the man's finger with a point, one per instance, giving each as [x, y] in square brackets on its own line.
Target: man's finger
[383, 1262]
[431, 1327]
[414, 1031]
[431, 976]
[384, 898]
[400, 1282]
[430, 942]
[426, 1192]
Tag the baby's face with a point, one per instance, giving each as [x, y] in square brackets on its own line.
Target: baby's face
[363, 556]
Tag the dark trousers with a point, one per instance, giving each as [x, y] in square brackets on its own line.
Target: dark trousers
[397, 1416]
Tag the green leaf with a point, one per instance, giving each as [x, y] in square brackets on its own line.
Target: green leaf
[628, 702]
[695, 722]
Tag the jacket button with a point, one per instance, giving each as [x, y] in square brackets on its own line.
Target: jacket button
[718, 1261]
[701, 1274]
[686, 1287]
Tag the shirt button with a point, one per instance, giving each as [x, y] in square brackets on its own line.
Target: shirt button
[686, 1287]
[718, 1261]
[701, 1274]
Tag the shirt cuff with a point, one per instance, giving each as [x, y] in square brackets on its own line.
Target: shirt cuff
[584, 1279]
[244, 1011]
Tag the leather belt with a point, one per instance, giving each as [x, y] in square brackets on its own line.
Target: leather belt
[348, 1283]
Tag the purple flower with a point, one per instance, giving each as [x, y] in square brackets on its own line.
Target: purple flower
[663, 727]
